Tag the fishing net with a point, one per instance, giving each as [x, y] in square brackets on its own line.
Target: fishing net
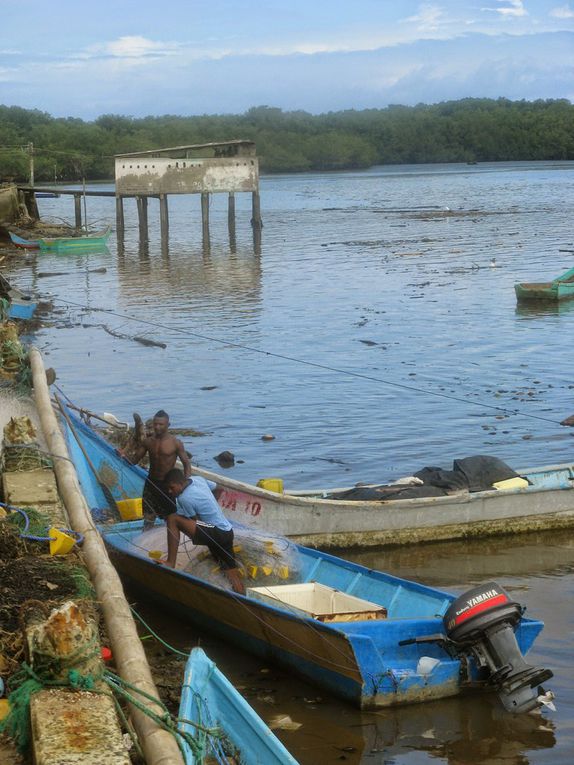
[263, 558]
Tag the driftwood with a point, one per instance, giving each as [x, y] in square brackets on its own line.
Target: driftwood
[160, 748]
[135, 338]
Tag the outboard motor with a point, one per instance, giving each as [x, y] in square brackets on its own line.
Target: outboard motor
[481, 624]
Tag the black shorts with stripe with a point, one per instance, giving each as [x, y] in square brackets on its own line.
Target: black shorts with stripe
[219, 543]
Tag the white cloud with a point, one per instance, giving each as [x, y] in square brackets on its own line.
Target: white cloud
[428, 17]
[562, 12]
[510, 8]
[134, 47]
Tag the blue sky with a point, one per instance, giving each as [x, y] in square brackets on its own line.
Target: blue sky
[195, 57]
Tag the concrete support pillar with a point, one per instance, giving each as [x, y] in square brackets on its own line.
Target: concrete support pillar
[205, 217]
[78, 210]
[256, 221]
[142, 218]
[31, 205]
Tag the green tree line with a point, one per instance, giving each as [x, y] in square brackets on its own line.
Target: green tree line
[468, 130]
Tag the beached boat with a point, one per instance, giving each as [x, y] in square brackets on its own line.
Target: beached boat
[20, 305]
[561, 288]
[312, 518]
[25, 244]
[366, 636]
[210, 701]
[64, 244]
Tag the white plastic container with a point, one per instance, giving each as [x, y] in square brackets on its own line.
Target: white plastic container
[318, 601]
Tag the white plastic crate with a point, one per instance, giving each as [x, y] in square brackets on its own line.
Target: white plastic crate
[318, 601]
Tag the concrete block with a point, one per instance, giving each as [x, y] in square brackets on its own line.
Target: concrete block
[76, 728]
[30, 488]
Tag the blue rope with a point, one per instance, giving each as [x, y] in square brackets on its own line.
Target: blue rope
[79, 538]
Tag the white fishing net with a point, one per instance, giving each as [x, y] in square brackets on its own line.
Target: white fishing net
[263, 559]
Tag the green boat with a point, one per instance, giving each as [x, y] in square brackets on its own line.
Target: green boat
[95, 241]
[560, 289]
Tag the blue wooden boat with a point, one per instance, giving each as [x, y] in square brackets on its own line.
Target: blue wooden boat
[210, 701]
[25, 244]
[383, 641]
[560, 288]
[20, 305]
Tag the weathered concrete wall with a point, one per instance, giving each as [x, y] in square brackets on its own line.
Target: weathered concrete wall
[8, 204]
[162, 175]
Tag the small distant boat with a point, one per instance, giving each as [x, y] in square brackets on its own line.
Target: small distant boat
[20, 304]
[209, 700]
[560, 289]
[75, 243]
[26, 244]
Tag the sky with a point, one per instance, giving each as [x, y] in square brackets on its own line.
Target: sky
[186, 57]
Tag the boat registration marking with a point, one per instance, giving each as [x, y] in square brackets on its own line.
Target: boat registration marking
[238, 503]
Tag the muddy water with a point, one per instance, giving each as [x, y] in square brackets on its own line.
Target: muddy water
[393, 289]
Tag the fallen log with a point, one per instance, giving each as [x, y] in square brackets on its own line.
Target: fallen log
[159, 746]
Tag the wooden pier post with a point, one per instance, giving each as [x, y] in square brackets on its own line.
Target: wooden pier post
[231, 221]
[142, 217]
[205, 217]
[78, 210]
[163, 221]
[120, 220]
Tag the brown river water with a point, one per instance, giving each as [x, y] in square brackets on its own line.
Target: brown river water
[375, 331]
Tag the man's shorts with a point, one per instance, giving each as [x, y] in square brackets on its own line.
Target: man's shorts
[156, 501]
[219, 542]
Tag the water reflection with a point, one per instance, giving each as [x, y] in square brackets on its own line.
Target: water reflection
[541, 308]
[191, 281]
[465, 562]
[457, 732]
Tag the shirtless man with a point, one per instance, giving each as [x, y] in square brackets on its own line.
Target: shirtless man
[163, 449]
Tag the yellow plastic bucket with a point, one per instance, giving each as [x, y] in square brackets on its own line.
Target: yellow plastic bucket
[130, 509]
[271, 484]
[60, 543]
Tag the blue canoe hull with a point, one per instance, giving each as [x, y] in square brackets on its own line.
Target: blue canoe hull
[360, 661]
[209, 699]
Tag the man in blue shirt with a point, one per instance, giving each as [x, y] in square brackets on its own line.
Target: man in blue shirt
[201, 519]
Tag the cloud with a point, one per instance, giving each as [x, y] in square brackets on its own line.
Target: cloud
[562, 12]
[428, 18]
[509, 9]
[133, 47]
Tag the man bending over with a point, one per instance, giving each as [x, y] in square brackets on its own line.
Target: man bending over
[201, 519]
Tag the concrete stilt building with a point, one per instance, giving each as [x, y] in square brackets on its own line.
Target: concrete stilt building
[208, 168]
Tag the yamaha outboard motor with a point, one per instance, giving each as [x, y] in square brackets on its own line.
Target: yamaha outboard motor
[481, 624]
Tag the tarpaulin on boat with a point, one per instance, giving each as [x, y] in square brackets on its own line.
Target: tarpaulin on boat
[476, 473]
